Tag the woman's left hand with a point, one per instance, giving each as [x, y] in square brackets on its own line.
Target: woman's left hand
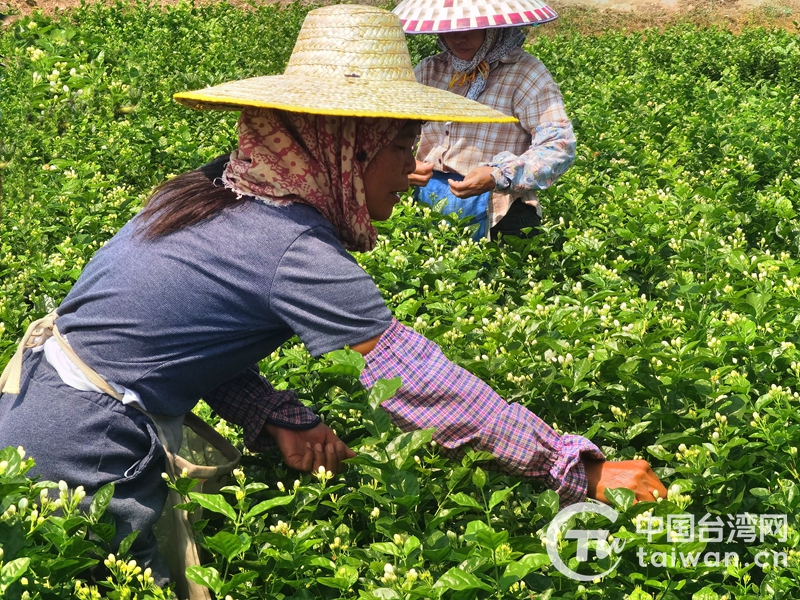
[476, 182]
[310, 449]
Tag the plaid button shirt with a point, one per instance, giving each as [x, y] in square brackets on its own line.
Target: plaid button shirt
[525, 156]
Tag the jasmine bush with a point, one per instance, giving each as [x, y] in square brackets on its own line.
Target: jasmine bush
[656, 313]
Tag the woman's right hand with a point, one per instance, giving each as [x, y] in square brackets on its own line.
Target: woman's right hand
[636, 475]
[421, 175]
[309, 449]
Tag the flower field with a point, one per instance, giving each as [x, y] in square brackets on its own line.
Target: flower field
[656, 313]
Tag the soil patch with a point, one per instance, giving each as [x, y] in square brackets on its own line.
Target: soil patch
[585, 16]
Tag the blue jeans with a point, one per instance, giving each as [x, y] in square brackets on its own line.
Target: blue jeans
[438, 189]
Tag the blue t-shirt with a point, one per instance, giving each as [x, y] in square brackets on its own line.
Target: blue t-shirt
[173, 317]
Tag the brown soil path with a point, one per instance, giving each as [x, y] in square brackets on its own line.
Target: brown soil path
[589, 16]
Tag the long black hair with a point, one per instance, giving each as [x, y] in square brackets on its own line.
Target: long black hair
[187, 199]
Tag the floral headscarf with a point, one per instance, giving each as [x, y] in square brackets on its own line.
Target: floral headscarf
[497, 43]
[319, 160]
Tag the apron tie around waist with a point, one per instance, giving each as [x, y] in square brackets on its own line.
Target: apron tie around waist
[37, 334]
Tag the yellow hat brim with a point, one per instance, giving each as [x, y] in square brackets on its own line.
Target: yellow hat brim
[353, 97]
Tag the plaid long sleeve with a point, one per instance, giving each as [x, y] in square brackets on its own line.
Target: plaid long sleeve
[249, 400]
[551, 154]
[437, 393]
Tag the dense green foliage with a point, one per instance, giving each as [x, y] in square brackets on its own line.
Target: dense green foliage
[656, 313]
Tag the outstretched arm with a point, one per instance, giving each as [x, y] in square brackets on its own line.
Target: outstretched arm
[438, 394]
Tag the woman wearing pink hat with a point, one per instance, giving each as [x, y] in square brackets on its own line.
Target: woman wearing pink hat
[490, 171]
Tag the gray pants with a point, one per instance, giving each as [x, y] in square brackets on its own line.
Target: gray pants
[90, 439]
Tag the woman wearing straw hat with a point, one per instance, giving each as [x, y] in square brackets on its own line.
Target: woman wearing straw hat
[489, 171]
[227, 262]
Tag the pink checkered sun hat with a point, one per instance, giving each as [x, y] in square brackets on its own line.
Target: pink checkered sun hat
[443, 16]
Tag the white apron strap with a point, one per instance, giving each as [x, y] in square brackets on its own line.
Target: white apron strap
[36, 335]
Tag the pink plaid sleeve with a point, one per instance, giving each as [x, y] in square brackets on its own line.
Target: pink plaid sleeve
[439, 394]
[250, 400]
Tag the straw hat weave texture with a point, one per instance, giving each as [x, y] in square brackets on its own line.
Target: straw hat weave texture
[351, 61]
[445, 16]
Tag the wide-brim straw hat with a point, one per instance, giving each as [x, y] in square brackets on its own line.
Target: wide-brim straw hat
[446, 16]
[350, 61]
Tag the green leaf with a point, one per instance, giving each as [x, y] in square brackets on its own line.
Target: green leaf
[101, 500]
[403, 486]
[215, 503]
[379, 594]
[126, 543]
[240, 579]
[185, 485]
[621, 498]
[456, 579]
[105, 531]
[500, 495]
[11, 456]
[228, 544]
[483, 535]
[255, 486]
[548, 504]
[348, 358]
[382, 390]
[67, 568]
[479, 478]
[387, 548]
[491, 539]
[520, 569]
[463, 500]
[637, 428]
[707, 593]
[13, 570]
[268, 504]
[344, 579]
[474, 527]
[402, 448]
[411, 544]
[205, 576]
[758, 302]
